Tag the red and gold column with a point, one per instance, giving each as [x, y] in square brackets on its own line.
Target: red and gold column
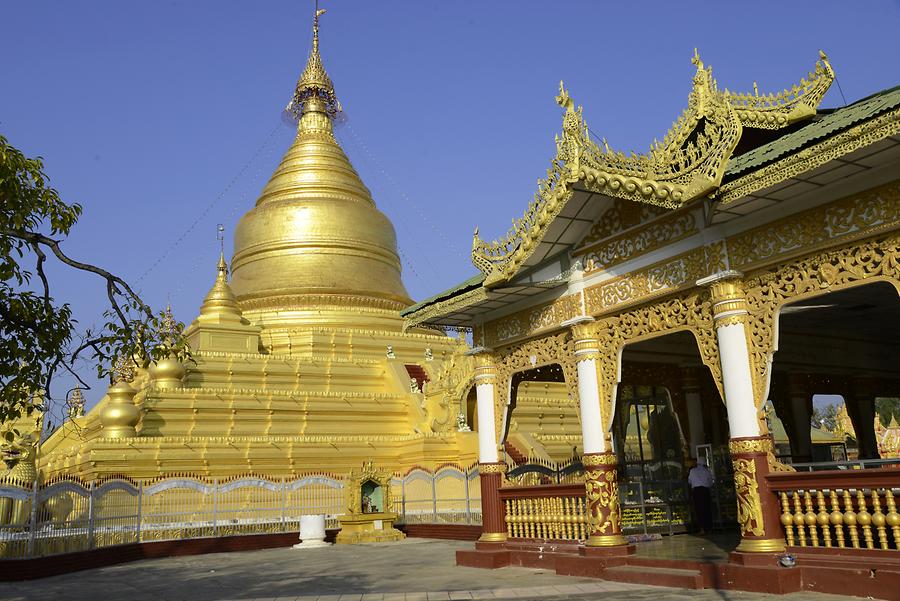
[493, 518]
[490, 468]
[601, 486]
[758, 513]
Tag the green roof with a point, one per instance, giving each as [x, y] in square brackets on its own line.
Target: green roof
[825, 124]
[470, 284]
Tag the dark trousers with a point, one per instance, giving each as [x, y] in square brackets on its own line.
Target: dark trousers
[702, 507]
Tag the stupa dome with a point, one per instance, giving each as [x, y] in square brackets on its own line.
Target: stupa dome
[315, 229]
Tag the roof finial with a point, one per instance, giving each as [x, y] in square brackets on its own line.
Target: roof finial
[314, 91]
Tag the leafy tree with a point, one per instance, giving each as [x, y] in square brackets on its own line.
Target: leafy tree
[888, 408]
[825, 417]
[38, 339]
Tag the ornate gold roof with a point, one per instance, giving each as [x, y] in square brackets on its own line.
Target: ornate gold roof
[315, 229]
[687, 164]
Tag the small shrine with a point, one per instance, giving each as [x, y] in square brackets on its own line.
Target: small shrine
[367, 496]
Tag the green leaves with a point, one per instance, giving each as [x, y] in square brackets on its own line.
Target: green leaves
[36, 332]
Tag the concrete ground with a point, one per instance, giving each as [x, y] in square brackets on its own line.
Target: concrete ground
[412, 570]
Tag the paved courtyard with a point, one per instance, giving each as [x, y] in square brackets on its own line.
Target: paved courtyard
[412, 570]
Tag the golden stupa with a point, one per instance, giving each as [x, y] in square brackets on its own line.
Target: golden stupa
[301, 362]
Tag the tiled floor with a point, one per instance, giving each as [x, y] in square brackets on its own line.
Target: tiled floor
[413, 570]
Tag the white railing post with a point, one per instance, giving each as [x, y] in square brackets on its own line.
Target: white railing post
[283, 505]
[215, 519]
[468, 502]
[140, 511]
[32, 524]
[434, 496]
[90, 533]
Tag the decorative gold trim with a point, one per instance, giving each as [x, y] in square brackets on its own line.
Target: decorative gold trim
[320, 300]
[491, 468]
[808, 159]
[749, 505]
[691, 312]
[605, 540]
[760, 545]
[863, 214]
[492, 537]
[630, 245]
[591, 460]
[456, 303]
[750, 445]
[873, 260]
[532, 321]
[774, 111]
[662, 278]
[555, 349]
[619, 218]
[730, 320]
[687, 164]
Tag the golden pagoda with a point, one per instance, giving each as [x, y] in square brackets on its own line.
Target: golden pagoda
[300, 360]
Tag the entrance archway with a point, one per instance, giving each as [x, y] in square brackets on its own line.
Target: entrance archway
[843, 343]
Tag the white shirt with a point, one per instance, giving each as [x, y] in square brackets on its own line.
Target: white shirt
[700, 476]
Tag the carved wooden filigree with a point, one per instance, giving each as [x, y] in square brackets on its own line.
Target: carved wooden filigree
[874, 260]
[558, 349]
[691, 313]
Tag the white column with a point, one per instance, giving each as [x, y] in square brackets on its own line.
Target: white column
[730, 313]
[593, 436]
[485, 384]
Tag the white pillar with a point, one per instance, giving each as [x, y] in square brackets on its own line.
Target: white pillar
[485, 384]
[730, 313]
[593, 431]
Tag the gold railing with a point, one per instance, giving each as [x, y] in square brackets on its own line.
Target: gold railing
[840, 509]
[554, 512]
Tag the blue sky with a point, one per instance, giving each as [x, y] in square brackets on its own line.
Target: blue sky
[163, 119]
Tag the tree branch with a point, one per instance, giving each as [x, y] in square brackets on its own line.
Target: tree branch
[54, 245]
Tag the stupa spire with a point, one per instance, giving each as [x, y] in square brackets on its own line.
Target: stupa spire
[314, 91]
[220, 302]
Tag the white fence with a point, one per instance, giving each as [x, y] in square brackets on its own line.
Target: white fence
[68, 516]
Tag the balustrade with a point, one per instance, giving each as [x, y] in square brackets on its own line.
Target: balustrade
[552, 512]
[839, 509]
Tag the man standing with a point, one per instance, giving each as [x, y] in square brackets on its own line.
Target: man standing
[700, 479]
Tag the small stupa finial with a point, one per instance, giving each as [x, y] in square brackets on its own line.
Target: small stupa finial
[314, 91]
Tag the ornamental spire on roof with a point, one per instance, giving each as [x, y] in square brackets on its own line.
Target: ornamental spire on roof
[314, 89]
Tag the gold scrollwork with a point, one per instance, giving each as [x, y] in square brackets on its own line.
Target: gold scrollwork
[602, 496]
[655, 234]
[750, 445]
[691, 312]
[558, 349]
[663, 278]
[590, 459]
[533, 320]
[749, 506]
[491, 468]
[858, 215]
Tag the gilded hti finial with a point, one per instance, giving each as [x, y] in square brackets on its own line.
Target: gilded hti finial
[314, 91]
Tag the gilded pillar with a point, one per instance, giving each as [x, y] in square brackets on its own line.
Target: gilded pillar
[601, 483]
[757, 509]
[490, 468]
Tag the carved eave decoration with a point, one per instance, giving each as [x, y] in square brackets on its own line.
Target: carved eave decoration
[687, 164]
